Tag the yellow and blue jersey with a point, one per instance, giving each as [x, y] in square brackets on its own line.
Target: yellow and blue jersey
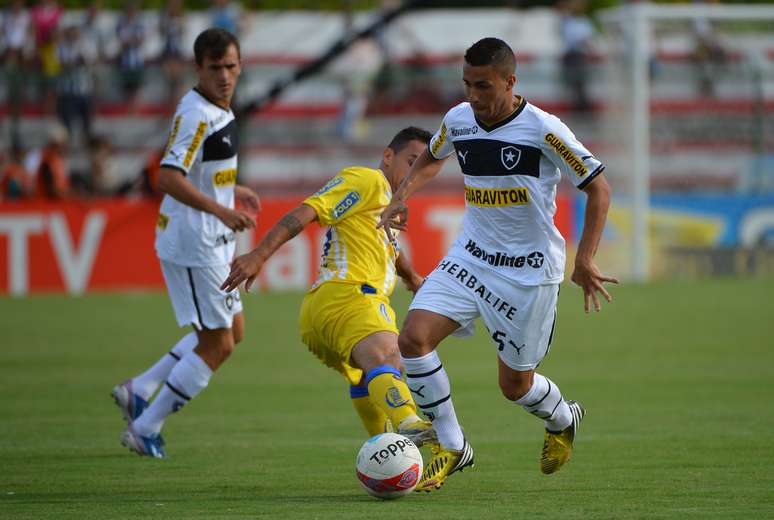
[355, 250]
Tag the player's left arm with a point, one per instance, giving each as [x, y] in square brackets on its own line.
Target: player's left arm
[586, 274]
[412, 279]
[245, 268]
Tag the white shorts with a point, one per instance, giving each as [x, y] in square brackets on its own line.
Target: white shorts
[197, 298]
[519, 319]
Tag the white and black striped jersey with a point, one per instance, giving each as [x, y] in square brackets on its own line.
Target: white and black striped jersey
[511, 172]
[203, 145]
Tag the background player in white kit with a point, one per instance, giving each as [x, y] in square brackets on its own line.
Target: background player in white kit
[195, 241]
[508, 261]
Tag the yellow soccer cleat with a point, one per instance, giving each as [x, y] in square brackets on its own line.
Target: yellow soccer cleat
[418, 431]
[557, 447]
[445, 462]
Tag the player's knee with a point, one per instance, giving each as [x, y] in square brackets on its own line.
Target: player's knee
[390, 356]
[411, 344]
[514, 390]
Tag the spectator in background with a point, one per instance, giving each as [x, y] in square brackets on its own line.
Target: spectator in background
[576, 31]
[95, 44]
[14, 45]
[131, 62]
[172, 30]
[15, 30]
[51, 179]
[45, 21]
[225, 14]
[709, 54]
[95, 182]
[146, 184]
[14, 178]
[75, 85]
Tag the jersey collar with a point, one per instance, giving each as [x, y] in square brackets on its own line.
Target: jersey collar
[514, 115]
[208, 100]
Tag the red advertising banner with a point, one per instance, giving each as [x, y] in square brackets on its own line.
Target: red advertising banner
[107, 245]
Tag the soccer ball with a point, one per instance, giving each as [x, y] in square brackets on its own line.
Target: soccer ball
[389, 465]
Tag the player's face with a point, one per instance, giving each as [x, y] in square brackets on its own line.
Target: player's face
[399, 164]
[218, 77]
[488, 91]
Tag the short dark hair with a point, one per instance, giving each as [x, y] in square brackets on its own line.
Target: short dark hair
[213, 43]
[494, 52]
[408, 134]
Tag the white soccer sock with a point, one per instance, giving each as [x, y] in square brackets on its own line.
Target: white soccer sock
[544, 400]
[146, 384]
[189, 377]
[430, 387]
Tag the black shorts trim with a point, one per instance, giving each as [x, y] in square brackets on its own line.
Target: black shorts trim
[195, 300]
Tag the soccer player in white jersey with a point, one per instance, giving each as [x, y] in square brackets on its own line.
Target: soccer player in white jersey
[195, 239]
[508, 261]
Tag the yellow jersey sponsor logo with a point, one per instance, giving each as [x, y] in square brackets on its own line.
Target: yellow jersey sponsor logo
[173, 135]
[492, 197]
[225, 178]
[567, 155]
[330, 185]
[438, 143]
[346, 204]
[162, 221]
[194, 147]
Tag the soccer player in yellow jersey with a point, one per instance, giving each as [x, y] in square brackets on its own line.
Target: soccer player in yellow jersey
[346, 319]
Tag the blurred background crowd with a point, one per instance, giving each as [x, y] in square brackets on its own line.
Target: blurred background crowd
[87, 91]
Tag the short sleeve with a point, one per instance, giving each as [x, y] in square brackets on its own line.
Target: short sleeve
[567, 153]
[185, 139]
[343, 196]
[440, 145]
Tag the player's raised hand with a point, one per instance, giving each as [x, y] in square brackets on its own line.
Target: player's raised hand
[244, 268]
[588, 277]
[236, 220]
[394, 216]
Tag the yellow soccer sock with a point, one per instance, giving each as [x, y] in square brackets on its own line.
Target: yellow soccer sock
[390, 394]
[373, 418]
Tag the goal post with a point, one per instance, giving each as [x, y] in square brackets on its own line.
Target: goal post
[633, 38]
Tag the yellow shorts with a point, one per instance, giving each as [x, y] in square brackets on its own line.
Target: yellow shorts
[335, 316]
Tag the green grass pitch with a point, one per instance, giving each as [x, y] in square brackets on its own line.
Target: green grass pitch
[678, 380]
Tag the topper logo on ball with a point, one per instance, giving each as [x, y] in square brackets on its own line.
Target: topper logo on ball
[391, 450]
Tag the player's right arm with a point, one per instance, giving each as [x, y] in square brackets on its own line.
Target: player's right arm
[245, 268]
[176, 185]
[185, 140]
[427, 166]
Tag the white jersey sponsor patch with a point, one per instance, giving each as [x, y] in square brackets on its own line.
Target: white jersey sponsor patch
[511, 171]
[202, 145]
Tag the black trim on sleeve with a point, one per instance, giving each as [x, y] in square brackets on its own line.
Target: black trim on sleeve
[430, 150]
[174, 167]
[591, 176]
